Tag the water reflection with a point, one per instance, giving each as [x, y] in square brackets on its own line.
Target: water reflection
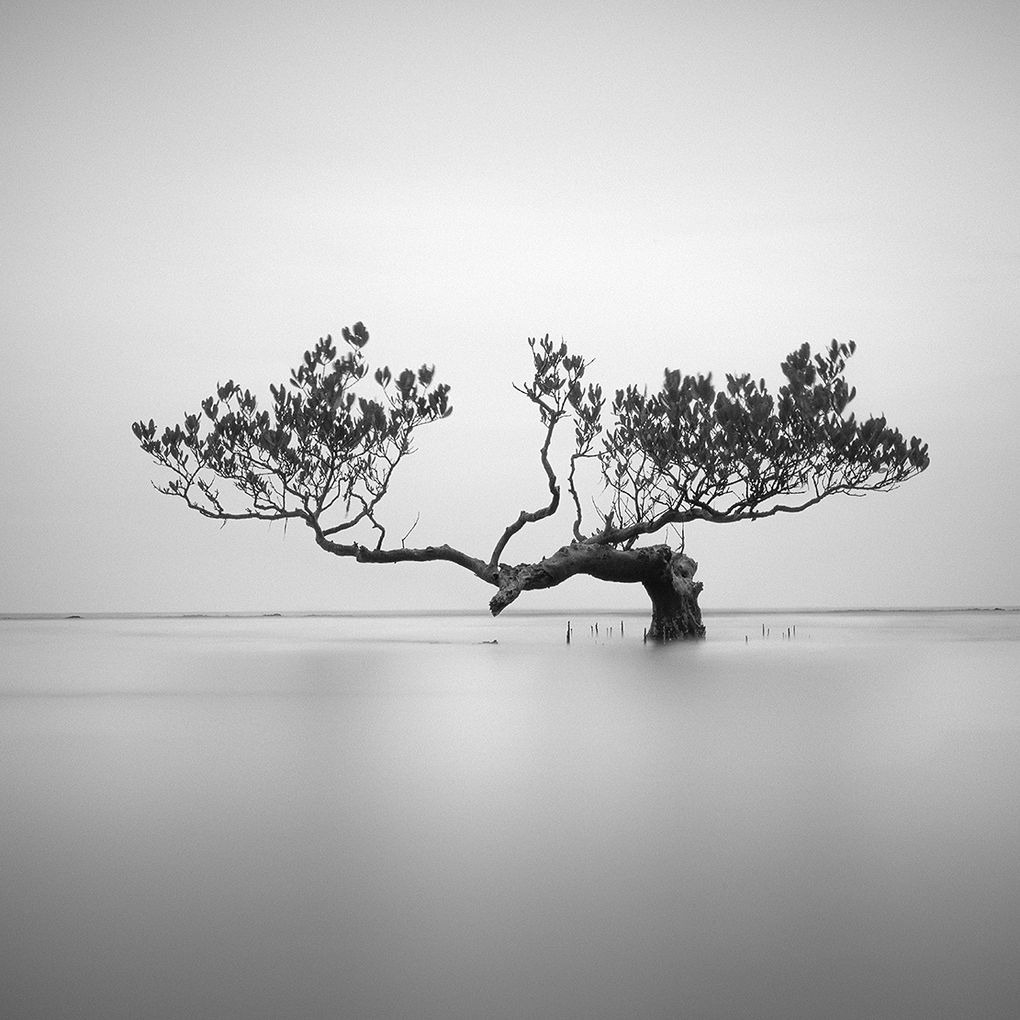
[301, 818]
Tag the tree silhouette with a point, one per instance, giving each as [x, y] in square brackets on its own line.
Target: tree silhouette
[323, 451]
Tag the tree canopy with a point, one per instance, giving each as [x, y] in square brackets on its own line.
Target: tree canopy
[323, 450]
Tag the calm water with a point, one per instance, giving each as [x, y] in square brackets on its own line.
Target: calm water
[300, 818]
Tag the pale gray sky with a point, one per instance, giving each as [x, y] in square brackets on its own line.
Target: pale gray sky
[191, 192]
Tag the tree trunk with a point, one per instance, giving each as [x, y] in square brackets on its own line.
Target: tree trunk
[667, 576]
[674, 594]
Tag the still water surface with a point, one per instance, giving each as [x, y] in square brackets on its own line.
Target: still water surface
[390, 818]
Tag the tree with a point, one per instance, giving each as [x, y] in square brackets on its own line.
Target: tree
[324, 451]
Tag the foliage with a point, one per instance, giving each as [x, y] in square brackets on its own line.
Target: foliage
[324, 451]
[690, 452]
[320, 446]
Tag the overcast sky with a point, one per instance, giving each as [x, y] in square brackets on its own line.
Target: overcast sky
[196, 191]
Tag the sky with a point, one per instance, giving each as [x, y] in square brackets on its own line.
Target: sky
[192, 192]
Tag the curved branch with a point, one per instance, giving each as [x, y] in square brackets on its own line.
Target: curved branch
[572, 489]
[430, 553]
[555, 388]
[530, 517]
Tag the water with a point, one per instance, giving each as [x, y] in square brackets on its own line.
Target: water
[388, 818]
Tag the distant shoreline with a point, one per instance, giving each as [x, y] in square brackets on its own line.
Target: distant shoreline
[576, 613]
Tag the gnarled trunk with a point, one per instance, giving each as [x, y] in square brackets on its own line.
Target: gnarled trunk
[674, 594]
[667, 576]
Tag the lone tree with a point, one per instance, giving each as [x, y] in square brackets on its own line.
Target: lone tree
[324, 449]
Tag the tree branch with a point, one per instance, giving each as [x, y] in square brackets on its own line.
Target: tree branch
[430, 553]
[530, 517]
[555, 388]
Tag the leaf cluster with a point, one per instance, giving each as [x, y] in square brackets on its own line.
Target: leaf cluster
[558, 390]
[690, 450]
[321, 443]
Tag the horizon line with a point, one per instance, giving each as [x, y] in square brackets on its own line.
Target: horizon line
[394, 613]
